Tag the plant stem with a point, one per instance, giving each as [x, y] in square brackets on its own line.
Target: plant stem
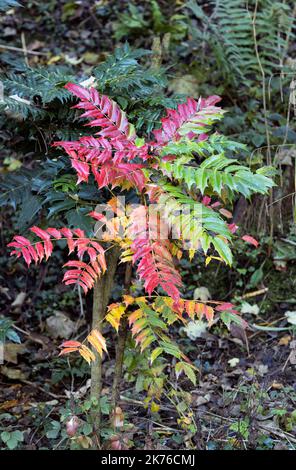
[122, 334]
[263, 84]
[101, 295]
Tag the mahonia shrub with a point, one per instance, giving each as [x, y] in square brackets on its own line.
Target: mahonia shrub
[189, 174]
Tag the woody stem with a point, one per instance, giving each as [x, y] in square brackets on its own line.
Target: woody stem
[122, 334]
[101, 295]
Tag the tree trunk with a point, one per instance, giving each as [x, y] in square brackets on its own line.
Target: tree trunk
[122, 334]
[101, 295]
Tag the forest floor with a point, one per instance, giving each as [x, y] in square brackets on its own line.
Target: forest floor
[245, 397]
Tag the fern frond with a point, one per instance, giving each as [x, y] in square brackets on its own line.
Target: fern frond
[231, 35]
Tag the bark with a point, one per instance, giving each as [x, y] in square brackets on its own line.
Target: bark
[101, 295]
[122, 334]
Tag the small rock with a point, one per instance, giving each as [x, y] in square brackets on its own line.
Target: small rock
[235, 411]
[60, 326]
[202, 400]
[7, 32]
[14, 374]
[201, 293]
[19, 300]
[11, 350]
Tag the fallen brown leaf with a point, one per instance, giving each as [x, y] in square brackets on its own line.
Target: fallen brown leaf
[285, 340]
[11, 350]
[8, 404]
[14, 374]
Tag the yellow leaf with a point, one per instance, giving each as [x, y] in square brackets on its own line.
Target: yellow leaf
[155, 353]
[191, 254]
[141, 299]
[168, 301]
[54, 59]
[146, 342]
[190, 308]
[209, 313]
[154, 407]
[218, 258]
[103, 341]
[97, 341]
[126, 256]
[285, 340]
[87, 354]
[277, 385]
[135, 316]
[114, 315]
[208, 260]
[128, 300]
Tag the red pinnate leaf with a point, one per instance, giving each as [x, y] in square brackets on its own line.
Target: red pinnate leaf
[232, 227]
[226, 213]
[71, 344]
[33, 254]
[209, 313]
[96, 215]
[66, 232]
[156, 267]
[224, 306]
[82, 169]
[21, 240]
[40, 250]
[190, 111]
[67, 351]
[78, 91]
[40, 233]
[80, 233]
[26, 255]
[48, 247]
[249, 239]
[54, 233]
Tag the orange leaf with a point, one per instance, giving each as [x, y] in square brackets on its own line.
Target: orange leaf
[209, 313]
[226, 213]
[249, 239]
[87, 354]
[97, 342]
[67, 350]
[128, 300]
[71, 344]
[190, 308]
